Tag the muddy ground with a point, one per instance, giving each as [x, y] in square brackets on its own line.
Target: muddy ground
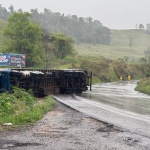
[66, 129]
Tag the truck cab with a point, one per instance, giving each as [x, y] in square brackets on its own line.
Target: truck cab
[5, 81]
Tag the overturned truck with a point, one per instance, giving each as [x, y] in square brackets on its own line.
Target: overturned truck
[45, 82]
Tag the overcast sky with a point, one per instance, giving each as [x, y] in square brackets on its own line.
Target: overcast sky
[115, 14]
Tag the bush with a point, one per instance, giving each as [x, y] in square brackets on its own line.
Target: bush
[20, 107]
[144, 86]
[22, 95]
[6, 104]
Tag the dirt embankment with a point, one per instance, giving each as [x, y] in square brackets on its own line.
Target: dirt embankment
[66, 129]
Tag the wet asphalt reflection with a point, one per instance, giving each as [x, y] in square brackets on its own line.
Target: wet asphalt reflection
[120, 95]
[114, 103]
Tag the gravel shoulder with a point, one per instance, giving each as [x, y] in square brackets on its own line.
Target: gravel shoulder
[67, 129]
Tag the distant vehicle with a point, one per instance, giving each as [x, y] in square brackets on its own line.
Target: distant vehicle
[16, 60]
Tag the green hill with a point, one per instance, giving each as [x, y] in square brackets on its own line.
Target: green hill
[119, 46]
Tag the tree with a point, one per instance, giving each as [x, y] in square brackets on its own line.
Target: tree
[147, 52]
[4, 14]
[130, 42]
[82, 29]
[11, 8]
[143, 60]
[141, 26]
[25, 36]
[47, 49]
[74, 18]
[34, 15]
[63, 45]
[20, 10]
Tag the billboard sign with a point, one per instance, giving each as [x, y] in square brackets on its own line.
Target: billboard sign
[3, 60]
[17, 60]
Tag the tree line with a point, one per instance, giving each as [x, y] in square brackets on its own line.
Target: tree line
[81, 29]
[25, 37]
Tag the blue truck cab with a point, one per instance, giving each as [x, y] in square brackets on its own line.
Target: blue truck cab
[5, 80]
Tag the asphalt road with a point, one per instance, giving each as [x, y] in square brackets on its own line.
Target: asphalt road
[115, 103]
[120, 95]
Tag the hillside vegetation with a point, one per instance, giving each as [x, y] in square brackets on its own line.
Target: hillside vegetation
[144, 86]
[107, 62]
[81, 29]
[118, 48]
[113, 44]
[123, 44]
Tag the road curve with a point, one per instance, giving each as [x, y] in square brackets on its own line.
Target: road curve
[114, 103]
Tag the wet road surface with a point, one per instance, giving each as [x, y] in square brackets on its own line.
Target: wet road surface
[120, 95]
[115, 103]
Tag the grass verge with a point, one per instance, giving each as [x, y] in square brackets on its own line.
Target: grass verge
[22, 108]
[144, 86]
